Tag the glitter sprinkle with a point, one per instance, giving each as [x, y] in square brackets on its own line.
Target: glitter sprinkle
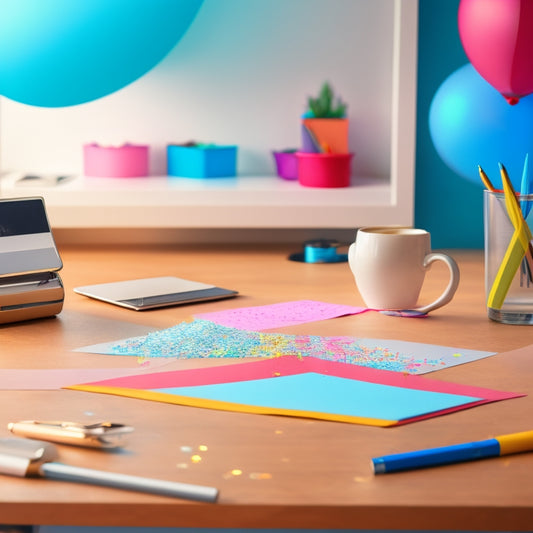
[204, 339]
[363, 479]
[260, 475]
[236, 472]
[202, 448]
[196, 458]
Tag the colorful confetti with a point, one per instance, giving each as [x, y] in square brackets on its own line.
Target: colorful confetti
[206, 339]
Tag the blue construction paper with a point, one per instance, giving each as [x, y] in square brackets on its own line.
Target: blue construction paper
[327, 394]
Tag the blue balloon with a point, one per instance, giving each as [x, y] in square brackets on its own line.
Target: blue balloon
[56, 53]
[471, 124]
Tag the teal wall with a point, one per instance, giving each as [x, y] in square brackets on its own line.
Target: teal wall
[446, 205]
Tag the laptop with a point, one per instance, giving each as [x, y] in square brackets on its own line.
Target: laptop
[151, 293]
[26, 242]
[30, 285]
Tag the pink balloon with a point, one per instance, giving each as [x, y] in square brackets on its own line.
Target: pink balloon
[497, 36]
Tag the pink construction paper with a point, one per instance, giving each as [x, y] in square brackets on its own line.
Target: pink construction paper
[291, 365]
[283, 314]
[57, 378]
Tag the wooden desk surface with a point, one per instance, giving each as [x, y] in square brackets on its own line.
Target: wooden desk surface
[294, 472]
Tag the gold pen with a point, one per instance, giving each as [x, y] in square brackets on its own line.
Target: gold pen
[98, 435]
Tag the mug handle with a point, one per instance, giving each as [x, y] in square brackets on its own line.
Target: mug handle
[449, 292]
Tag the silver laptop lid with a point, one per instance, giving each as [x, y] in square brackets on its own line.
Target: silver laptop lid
[26, 241]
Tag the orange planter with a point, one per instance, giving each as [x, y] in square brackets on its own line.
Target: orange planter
[330, 133]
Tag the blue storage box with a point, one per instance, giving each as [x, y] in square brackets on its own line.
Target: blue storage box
[201, 161]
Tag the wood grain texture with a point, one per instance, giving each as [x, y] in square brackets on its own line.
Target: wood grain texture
[271, 471]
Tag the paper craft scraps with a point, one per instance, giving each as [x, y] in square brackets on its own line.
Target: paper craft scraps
[205, 339]
[261, 317]
[57, 378]
[288, 386]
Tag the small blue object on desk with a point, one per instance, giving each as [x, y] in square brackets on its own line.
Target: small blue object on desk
[201, 160]
[458, 453]
[320, 251]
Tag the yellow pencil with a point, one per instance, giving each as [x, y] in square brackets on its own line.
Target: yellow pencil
[485, 179]
[519, 247]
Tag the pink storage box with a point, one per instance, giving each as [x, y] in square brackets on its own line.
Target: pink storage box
[126, 161]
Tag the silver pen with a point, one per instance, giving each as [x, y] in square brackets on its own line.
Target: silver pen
[33, 458]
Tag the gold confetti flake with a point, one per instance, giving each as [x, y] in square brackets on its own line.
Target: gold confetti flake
[260, 475]
[362, 479]
[236, 472]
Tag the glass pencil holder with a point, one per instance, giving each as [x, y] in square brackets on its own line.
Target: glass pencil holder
[508, 259]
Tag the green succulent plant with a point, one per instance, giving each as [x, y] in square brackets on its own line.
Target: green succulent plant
[325, 105]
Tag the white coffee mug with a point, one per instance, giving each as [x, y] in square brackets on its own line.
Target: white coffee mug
[389, 264]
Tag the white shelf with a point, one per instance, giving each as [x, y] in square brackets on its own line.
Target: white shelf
[242, 202]
[245, 202]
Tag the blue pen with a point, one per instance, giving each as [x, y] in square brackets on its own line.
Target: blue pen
[525, 206]
[458, 453]
[525, 188]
